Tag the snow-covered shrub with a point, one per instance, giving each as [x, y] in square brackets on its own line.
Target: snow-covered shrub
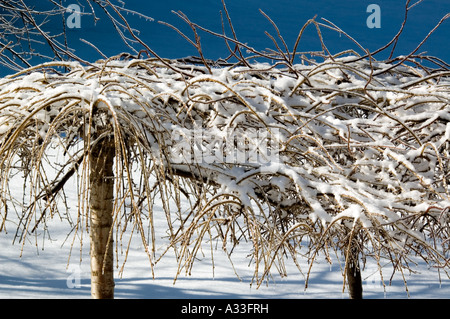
[348, 155]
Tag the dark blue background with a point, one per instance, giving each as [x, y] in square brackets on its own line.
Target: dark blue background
[250, 24]
[289, 15]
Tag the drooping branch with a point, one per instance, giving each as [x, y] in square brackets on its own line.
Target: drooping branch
[260, 153]
[25, 32]
[318, 156]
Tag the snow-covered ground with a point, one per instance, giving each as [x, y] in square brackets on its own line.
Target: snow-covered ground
[42, 272]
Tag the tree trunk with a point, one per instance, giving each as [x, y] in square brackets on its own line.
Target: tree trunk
[101, 219]
[353, 274]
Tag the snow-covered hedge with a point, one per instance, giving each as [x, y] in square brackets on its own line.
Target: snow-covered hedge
[300, 161]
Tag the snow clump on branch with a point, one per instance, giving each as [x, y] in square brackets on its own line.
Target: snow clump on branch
[344, 150]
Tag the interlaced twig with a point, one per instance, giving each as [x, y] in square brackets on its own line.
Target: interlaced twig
[349, 154]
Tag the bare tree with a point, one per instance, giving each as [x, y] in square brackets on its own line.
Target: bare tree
[26, 35]
[347, 156]
[26, 38]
